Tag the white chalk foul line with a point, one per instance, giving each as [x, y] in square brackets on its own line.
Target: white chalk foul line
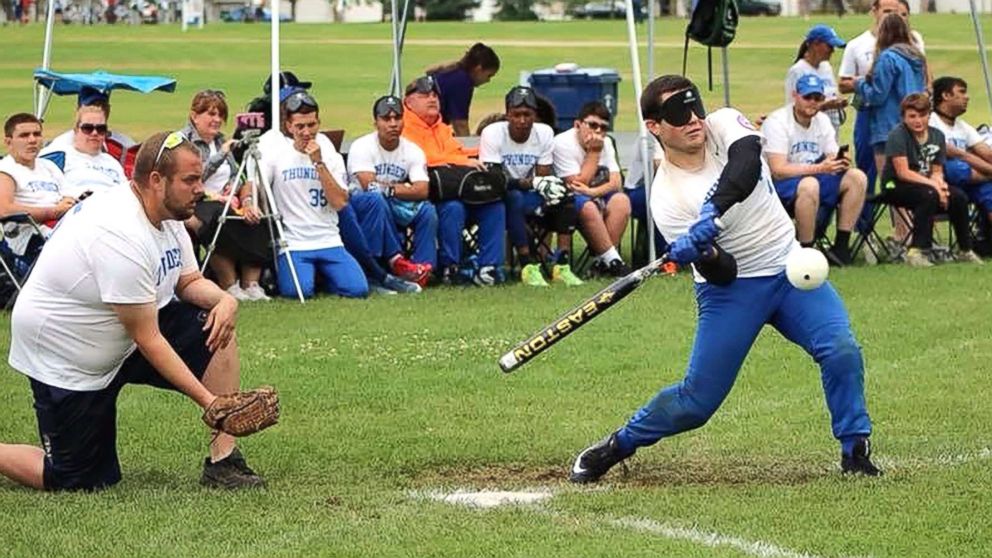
[485, 499]
[761, 549]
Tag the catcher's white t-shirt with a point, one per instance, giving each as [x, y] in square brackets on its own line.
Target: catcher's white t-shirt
[84, 172]
[860, 53]
[758, 233]
[406, 163]
[105, 251]
[961, 135]
[309, 221]
[518, 159]
[568, 154]
[825, 72]
[635, 172]
[784, 136]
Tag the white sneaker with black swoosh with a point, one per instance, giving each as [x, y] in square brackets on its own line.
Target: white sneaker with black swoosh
[596, 460]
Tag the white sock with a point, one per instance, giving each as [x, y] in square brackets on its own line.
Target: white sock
[609, 255]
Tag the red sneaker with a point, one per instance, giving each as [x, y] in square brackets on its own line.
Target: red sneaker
[409, 271]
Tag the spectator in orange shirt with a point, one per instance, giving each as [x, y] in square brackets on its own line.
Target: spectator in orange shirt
[462, 188]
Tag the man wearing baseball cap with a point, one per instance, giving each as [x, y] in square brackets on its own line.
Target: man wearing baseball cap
[809, 170]
[450, 167]
[524, 151]
[385, 164]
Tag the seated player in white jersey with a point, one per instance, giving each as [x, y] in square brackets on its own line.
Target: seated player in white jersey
[116, 299]
[386, 168]
[523, 150]
[88, 168]
[586, 160]
[713, 195]
[309, 181]
[969, 158]
[811, 176]
[28, 184]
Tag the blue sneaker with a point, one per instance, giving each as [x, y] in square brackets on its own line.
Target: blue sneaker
[398, 285]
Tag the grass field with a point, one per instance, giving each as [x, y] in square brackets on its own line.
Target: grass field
[389, 400]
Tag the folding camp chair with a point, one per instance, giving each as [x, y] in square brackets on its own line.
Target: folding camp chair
[891, 249]
[16, 268]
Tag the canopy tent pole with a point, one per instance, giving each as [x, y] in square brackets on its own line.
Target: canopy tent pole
[651, 5]
[645, 138]
[184, 14]
[726, 77]
[274, 65]
[42, 95]
[982, 54]
[394, 85]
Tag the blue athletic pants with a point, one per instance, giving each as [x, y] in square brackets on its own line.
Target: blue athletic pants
[730, 319]
[376, 220]
[341, 273]
[452, 218]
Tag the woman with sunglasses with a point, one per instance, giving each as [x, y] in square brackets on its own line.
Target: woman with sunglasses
[242, 243]
[714, 187]
[814, 58]
[87, 166]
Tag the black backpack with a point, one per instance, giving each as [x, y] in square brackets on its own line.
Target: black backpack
[714, 24]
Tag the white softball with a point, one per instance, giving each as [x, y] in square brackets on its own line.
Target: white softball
[806, 268]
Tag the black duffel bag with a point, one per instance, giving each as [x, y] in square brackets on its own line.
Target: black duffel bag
[470, 185]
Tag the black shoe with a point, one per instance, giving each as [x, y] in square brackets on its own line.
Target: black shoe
[859, 462]
[617, 268]
[596, 460]
[232, 472]
[838, 258]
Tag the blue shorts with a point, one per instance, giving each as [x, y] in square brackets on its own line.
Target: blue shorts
[958, 173]
[581, 199]
[79, 428]
[829, 189]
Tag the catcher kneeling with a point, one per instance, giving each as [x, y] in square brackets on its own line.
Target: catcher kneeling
[115, 298]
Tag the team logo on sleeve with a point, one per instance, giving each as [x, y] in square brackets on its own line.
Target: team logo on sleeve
[745, 123]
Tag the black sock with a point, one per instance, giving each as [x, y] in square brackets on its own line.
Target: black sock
[564, 258]
[842, 239]
[806, 244]
[524, 259]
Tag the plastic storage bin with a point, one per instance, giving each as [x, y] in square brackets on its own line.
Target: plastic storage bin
[568, 88]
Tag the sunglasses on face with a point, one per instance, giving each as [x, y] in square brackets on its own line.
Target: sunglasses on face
[597, 126]
[814, 97]
[88, 129]
[678, 109]
[298, 100]
[171, 142]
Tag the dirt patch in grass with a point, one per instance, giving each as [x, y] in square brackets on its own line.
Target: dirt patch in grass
[639, 473]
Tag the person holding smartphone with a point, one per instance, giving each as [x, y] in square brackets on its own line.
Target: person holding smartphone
[812, 175]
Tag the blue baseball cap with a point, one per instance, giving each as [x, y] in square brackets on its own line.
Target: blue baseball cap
[809, 84]
[90, 96]
[825, 34]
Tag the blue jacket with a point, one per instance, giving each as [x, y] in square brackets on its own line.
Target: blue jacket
[897, 73]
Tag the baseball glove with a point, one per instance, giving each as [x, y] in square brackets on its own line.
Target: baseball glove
[551, 188]
[244, 412]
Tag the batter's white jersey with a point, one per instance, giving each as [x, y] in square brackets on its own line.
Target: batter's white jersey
[803, 145]
[64, 332]
[518, 159]
[309, 222]
[758, 231]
